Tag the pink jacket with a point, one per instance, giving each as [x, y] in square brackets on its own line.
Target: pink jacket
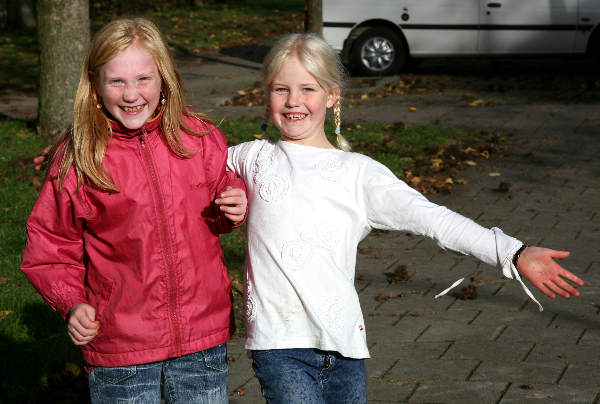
[148, 258]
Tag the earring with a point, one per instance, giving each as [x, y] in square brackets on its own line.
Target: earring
[99, 106]
[99, 102]
[163, 99]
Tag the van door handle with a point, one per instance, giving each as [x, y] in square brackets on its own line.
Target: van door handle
[494, 5]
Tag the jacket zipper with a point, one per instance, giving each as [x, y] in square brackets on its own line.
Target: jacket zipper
[165, 238]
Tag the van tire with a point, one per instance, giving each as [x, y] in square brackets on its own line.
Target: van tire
[378, 51]
[593, 50]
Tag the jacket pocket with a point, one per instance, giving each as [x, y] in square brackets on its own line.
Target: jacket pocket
[98, 292]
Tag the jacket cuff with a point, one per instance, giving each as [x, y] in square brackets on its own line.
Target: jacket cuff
[64, 297]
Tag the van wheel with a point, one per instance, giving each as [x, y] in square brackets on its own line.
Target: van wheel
[378, 51]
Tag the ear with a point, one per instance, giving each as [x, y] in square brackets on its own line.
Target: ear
[333, 96]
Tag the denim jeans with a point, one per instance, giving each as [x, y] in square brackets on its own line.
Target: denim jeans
[196, 378]
[307, 376]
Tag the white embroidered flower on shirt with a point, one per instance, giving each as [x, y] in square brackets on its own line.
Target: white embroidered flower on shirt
[296, 254]
[274, 188]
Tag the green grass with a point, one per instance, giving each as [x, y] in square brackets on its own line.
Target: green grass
[33, 343]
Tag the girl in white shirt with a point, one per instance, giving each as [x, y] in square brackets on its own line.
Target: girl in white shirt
[310, 204]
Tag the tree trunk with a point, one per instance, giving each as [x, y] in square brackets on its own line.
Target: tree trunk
[63, 28]
[314, 12]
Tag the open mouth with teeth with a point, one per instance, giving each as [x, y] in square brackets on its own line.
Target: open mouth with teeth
[295, 116]
[132, 110]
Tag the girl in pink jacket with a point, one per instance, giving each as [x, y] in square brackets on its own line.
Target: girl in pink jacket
[123, 240]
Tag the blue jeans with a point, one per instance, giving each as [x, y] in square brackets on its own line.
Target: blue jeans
[196, 378]
[307, 376]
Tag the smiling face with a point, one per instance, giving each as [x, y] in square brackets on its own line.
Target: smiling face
[130, 85]
[297, 104]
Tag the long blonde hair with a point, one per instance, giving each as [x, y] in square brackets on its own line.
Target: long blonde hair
[84, 144]
[318, 58]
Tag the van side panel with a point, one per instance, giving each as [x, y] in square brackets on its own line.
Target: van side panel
[534, 26]
[432, 27]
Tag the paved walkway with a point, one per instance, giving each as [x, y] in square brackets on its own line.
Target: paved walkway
[497, 348]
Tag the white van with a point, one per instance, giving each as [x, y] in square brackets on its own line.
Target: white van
[378, 37]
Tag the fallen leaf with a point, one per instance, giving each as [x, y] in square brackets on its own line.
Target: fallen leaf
[468, 292]
[399, 275]
[494, 174]
[412, 109]
[4, 280]
[436, 163]
[36, 182]
[383, 297]
[73, 369]
[476, 103]
[5, 313]
[470, 163]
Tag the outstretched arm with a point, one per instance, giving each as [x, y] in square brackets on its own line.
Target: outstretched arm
[537, 264]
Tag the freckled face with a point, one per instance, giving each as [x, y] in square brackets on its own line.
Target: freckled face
[297, 104]
[130, 85]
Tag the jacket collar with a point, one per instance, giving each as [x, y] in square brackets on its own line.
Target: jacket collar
[121, 132]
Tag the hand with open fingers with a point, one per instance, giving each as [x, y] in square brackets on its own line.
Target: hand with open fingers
[538, 265]
[82, 325]
[233, 204]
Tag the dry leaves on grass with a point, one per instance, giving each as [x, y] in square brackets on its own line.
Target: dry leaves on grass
[438, 170]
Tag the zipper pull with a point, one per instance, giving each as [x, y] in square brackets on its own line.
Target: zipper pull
[144, 133]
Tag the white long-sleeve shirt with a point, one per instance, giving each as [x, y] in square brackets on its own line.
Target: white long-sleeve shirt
[308, 210]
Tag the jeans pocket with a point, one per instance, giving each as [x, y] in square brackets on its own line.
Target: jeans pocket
[114, 375]
[216, 358]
